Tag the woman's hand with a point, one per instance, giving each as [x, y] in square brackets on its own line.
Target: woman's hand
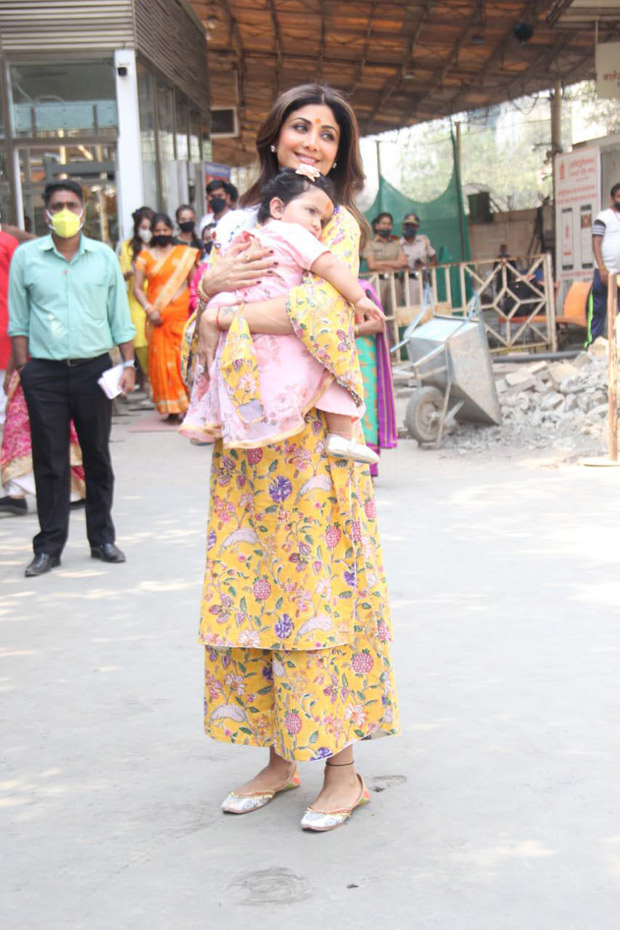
[368, 327]
[208, 338]
[366, 309]
[235, 269]
[154, 318]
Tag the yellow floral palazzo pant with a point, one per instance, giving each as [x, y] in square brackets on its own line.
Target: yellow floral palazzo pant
[308, 705]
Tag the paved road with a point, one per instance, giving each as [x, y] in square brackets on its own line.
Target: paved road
[497, 808]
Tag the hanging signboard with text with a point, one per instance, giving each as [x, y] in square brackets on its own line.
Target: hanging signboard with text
[214, 171]
[577, 202]
[608, 70]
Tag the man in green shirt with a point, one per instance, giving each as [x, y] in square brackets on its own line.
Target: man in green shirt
[67, 308]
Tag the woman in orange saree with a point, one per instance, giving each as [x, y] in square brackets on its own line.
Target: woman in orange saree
[167, 268]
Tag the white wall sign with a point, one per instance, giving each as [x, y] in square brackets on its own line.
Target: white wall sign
[577, 202]
[608, 70]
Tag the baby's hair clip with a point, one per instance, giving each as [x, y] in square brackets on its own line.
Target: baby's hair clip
[309, 172]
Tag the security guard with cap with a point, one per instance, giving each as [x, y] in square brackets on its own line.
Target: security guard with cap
[419, 253]
[384, 256]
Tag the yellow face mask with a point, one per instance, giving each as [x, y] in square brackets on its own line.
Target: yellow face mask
[66, 224]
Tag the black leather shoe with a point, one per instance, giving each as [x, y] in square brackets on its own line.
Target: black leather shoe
[107, 552]
[14, 505]
[42, 563]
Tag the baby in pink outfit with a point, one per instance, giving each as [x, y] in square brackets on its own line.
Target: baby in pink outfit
[290, 221]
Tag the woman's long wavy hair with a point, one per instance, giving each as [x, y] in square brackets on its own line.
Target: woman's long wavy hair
[348, 175]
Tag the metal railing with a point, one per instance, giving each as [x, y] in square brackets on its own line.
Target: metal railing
[514, 297]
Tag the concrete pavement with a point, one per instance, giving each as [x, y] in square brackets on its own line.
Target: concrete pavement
[499, 805]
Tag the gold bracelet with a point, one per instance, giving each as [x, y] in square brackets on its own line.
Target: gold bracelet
[201, 292]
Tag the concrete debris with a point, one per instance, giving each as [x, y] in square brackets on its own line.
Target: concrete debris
[521, 378]
[560, 407]
[560, 372]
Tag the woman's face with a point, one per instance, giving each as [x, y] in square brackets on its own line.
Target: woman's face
[309, 136]
[145, 223]
[186, 216]
[162, 230]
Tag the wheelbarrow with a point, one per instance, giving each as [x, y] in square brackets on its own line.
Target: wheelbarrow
[450, 360]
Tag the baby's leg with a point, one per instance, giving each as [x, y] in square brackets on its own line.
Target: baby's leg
[341, 444]
[340, 424]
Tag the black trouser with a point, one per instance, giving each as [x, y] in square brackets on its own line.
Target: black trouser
[597, 308]
[57, 393]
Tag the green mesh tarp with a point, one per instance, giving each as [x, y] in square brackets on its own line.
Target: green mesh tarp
[442, 220]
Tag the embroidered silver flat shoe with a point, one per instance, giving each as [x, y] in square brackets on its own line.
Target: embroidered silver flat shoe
[321, 821]
[246, 803]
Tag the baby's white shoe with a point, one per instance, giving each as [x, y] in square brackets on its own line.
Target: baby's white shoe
[340, 448]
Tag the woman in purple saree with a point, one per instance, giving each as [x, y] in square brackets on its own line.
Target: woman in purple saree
[379, 422]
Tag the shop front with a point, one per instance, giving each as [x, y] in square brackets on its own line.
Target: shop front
[119, 105]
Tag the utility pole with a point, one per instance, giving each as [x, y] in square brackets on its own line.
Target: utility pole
[459, 188]
[556, 117]
[556, 127]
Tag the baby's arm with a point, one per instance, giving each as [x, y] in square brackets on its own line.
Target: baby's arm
[333, 271]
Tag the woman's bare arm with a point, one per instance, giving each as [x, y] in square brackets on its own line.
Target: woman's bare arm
[263, 316]
[138, 285]
[153, 316]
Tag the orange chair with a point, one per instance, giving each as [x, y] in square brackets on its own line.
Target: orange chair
[575, 305]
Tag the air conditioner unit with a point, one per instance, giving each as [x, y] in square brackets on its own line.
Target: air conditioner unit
[224, 124]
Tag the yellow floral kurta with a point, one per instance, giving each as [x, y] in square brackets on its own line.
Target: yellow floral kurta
[295, 615]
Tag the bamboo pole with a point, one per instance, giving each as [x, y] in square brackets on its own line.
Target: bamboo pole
[612, 378]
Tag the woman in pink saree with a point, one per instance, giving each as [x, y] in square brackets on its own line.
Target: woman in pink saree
[16, 472]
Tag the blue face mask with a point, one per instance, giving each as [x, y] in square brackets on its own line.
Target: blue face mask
[410, 232]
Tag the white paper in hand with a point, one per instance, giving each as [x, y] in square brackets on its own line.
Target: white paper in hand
[109, 381]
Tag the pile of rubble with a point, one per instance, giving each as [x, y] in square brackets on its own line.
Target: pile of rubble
[560, 406]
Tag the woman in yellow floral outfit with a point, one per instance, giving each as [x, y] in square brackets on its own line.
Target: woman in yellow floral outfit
[295, 616]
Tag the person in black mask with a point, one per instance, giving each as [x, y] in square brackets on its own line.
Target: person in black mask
[167, 269]
[419, 252]
[186, 221]
[218, 202]
[208, 233]
[384, 255]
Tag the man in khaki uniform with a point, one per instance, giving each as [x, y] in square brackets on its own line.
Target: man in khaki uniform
[419, 253]
[384, 256]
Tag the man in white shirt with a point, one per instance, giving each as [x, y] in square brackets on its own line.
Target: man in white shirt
[221, 197]
[606, 247]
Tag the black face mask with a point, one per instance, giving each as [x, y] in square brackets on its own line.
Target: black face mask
[385, 233]
[208, 246]
[217, 204]
[161, 241]
[187, 226]
[410, 232]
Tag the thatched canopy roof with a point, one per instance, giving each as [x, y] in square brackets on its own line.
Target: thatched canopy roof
[401, 62]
